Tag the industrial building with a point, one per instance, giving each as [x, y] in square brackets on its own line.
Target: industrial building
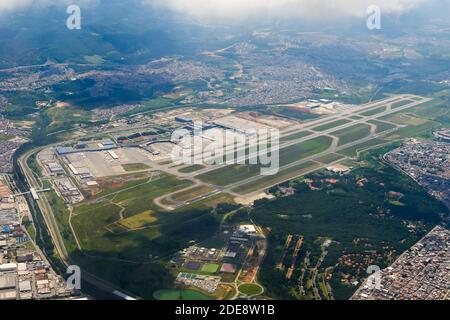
[90, 147]
[55, 169]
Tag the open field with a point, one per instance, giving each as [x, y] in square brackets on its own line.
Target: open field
[283, 175]
[352, 151]
[294, 113]
[295, 136]
[351, 134]
[191, 193]
[331, 125]
[169, 233]
[234, 173]
[129, 167]
[230, 174]
[400, 104]
[374, 111]
[250, 289]
[172, 294]
[303, 150]
[94, 59]
[207, 203]
[381, 126]
[399, 118]
[329, 158]
[139, 221]
[414, 130]
[190, 169]
[91, 222]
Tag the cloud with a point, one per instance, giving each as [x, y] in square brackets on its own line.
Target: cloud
[309, 9]
[11, 5]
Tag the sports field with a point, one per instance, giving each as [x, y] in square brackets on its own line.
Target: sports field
[210, 268]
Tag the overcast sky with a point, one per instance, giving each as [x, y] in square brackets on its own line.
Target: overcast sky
[301, 8]
[243, 9]
[11, 5]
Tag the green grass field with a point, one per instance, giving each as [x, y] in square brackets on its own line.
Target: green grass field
[400, 104]
[172, 294]
[190, 169]
[373, 112]
[416, 130]
[93, 222]
[352, 151]
[208, 203]
[192, 193]
[140, 220]
[295, 113]
[250, 289]
[381, 126]
[329, 158]
[303, 150]
[351, 134]
[94, 59]
[230, 174]
[266, 181]
[140, 198]
[234, 173]
[210, 267]
[135, 167]
[295, 136]
[331, 125]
